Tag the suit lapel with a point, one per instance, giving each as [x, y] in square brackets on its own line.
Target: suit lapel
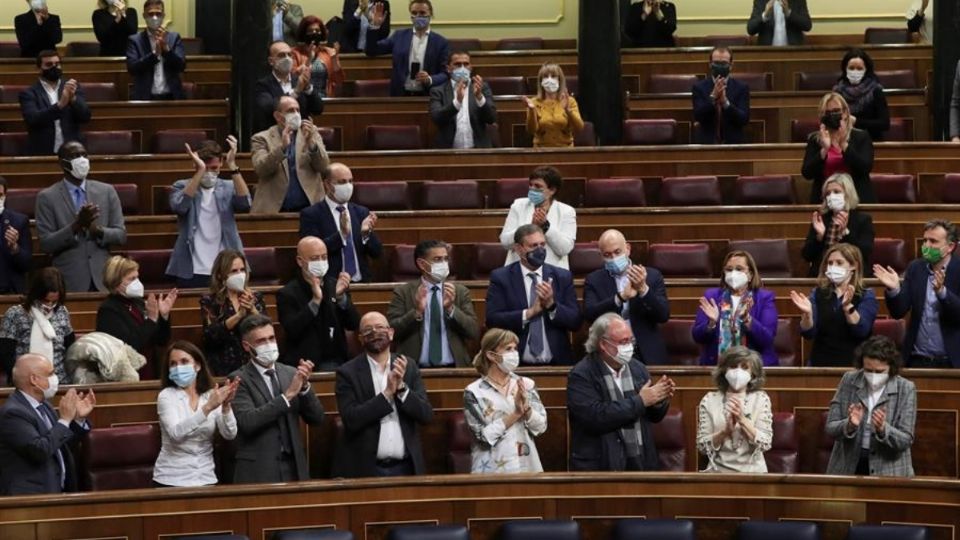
[67, 198]
[365, 378]
[257, 380]
[519, 286]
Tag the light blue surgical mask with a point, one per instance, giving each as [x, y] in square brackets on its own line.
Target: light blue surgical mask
[617, 264]
[536, 196]
[461, 74]
[183, 375]
[420, 23]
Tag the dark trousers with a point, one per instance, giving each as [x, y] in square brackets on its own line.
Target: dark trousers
[395, 467]
[918, 361]
[288, 469]
[863, 465]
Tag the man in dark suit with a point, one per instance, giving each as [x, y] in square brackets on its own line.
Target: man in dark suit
[381, 400]
[15, 246]
[283, 81]
[463, 109]
[315, 309]
[156, 58]
[433, 317]
[650, 23]
[633, 291]
[270, 401]
[930, 292]
[611, 402]
[721, 104]
[419, 54]
[534, 300]
[52, 108]
[357, 15]
[346, 228]
[37, 30]
[779, 22]
[34, 440]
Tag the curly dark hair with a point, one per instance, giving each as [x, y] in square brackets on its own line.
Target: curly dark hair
[879, 348]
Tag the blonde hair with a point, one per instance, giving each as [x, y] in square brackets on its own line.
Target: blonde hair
[850, 197]
[755, 281]
[490, 342]
[831, 96]
[114, 270]
[554, 70]
[851, 254]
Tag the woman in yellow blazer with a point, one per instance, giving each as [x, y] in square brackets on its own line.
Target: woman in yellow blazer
[553, 117]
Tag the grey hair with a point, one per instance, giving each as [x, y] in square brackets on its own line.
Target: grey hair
[599, 329]
[731, 358]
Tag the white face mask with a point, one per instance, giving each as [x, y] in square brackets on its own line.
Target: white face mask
[318, 268]
[79, 167]
[37, 5]
[855, 75]
[208, 179]
[836, 274]
[153, 23]
[836, 202]
[550, 84]
[439, 270]
[237, 282]
[624, 354]
[876, 381]
[736, 279]
[737, 378]
[284, 65]
[293, 120]
[509, 361]
[267, 354]
[134, 289]
[53, 384]
[343, 192]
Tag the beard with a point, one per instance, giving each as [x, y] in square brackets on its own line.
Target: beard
[377, 344]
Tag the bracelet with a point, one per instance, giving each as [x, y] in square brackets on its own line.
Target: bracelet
[620, 297]
[235, 171]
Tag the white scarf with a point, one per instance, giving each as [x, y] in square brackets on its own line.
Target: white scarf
[41, 334]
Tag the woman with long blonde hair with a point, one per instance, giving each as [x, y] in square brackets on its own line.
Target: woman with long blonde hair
[553, 118]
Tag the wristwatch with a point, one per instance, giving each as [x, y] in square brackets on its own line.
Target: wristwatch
[235, 171]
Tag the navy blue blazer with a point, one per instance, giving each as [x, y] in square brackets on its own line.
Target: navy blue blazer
[507, 298]
[317, 221]
[141, 61]
[28, 450]
[267, 91]
[599, 297]
[350, 38]
[434, 60]
[913, 292]
[13, 268]
[596, 420]
[40, 116]
[734, 118]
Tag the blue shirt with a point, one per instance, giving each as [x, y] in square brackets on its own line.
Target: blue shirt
[278, 25]
[295, 199]
[447, 356]
[929, 341]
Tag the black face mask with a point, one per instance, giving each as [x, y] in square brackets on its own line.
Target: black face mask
[52, 74]
[832, 120]
[316, 39]
[719, 69]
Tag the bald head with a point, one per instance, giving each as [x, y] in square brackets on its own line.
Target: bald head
[338, 174]
[27, 365]
[310, 248]
[373, 319]
[613, 244]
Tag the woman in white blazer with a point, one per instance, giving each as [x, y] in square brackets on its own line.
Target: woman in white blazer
[558, 220]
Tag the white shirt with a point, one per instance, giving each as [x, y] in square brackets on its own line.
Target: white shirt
[391, 438]
[332, 204]
[872, 399]
[560, 238]
[286, 86]
[779, 25]
[52, 91]
[463, 138]
[160, 86]
[207, 239]
[547, 356]
[186, 451]
[617, 376]
[418, 50]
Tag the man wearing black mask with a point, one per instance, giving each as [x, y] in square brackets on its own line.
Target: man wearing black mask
[534, 300]
[721, 104]
[52, 108]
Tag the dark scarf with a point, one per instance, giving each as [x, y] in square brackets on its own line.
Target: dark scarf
[859, 96]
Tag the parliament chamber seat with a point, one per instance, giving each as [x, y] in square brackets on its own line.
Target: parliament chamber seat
[669, 83]
[153, 267]
[784, 454]
[172, 141]
[264, 269]
[772, 256]
[681, 260]
[824, 446]
[111, 142]
[129, 198]
[671, 441]
[190, 90]
[784, 343]
[100, 91]
[690, 191]
[459, 194]
[649, 131]
[459, 460]
[727, 41]
[895, 329]
[193, 46]
[782, 530]
[764, 190]
[950, 193]
[817, 80]
[520, 44]
[878, 36]
[10, 93]
[119, 457]
[682, 350]
[534, 529]
[464, 44]
[489, 257]
[654, 529]
[897, 78]
[507, 190]
[507, 85]
[894, 188]
[800, 129]
[82, 48]
[890, 252]
[493, 132]
[373, 88]
[402, 265]
[312, 534]
[211, 537]
[393, 137]
[585, 258]
[332, 140]
[758, 82]
[586, 136]
[901, 130]
[13, 144]
[614, 193]
[429, 532]
[9, 49]
[380, 196]
[23, 200]
[887, 532]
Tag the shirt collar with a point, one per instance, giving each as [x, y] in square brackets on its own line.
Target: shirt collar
[71, 186]
[288, 81]
[54, 87]
[946, 263]
[334, 204]
[429, 284]
[375, 366]
[616, 373]
[262, 370]
[30, 399]
[526, 272]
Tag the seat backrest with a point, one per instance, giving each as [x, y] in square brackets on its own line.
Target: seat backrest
[726, 41]
[784, 343]
[690, 191]
[403, 267]
[507, 190]
[153, 267]
[801, 128]
[429, 532]
[193, 46]
[105, 468]
[677, 336]
[890, 252]
[493, 133]
[263, 265]
[13, 144]
[586, 136]
[100, 91]
[171, 141]
[781, 530]
[901, 129]
[758, 82]
[190, 90]
[897, 79]
[9, 49]
[671, 441]
[764, 189]
[489, 257]
[817, 80]
[784, 454]
[111, 143]
[951, 188]
[393, 138]
[772, 256]
[668, 83]
[585, 258]
[681, 260]
[379, 196]
[459, 439]
[312, 534]
[895, 329]
[535, 529]
[824, 446]
[465, 44]
[887, 532]
[371, 88]
[894, 188]
[650, 131]
[573, 83]
[520, 44]
[10, 93]
[614, 193]
[458, 194]
[507, 86]
[331, 139]
[129, 198]
[654, 529]
[23, 200]
[82, 48]
[877, 36]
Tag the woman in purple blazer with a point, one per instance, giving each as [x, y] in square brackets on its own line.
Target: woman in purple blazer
[739, 312]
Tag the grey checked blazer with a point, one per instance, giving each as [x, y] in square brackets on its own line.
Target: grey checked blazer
[890, 454]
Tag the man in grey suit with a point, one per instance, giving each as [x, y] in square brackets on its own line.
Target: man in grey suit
[270, 401]
[463, 107]
[78, 220]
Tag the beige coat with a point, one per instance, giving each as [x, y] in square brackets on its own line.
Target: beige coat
[270, 164]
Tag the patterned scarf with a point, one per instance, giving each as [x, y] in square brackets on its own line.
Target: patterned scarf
[834, 232]
[859, 96]
[730, 321]
[631, 436]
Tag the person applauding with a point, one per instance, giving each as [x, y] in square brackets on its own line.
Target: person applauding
[838, 147]
[553, 117]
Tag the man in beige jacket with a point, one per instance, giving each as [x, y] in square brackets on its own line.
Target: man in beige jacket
[288, 159]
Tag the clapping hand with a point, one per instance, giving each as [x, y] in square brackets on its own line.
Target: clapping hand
[710, 309]
[368, 224]
[12, 237]
[152, 307]
[449, 294]
[840, 219]
[461, 90]
[539, 216]
[310, 131]
[303, 79]
[300, 379]
[565, 100]
[248, 304]
[855, 414]
[651, 393]
[198, 163]
[531, 105]
[520, 401]
[421, 300]
[888, 276]
[819, 226]
[879, 418]
[825, 139]
[545, 293]
[477, 87]
[343, 284]
[939, 278]
[86, 401]
[397, 371]
[87, 215]
[802, 303]
[637, 275]
[165, 303]
[316, 287]
[232, 153]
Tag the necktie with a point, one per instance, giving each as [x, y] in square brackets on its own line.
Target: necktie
[284, 428]
[79, 198]
[435, 351]
[719, 134]
[349, 253]
[535, 337]
[49, 419]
